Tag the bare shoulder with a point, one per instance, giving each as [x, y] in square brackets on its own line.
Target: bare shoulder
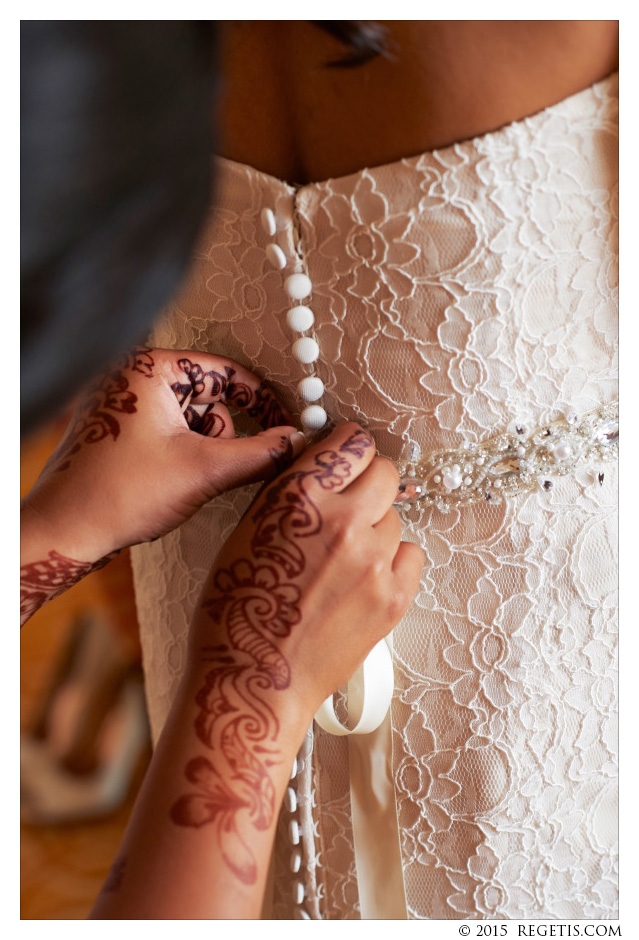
[286, 113]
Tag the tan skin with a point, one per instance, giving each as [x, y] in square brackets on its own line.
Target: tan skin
[285, 114]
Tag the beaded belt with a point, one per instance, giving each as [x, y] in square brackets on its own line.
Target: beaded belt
[509, 464]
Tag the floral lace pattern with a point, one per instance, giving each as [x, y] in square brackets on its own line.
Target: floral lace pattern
[456, 295]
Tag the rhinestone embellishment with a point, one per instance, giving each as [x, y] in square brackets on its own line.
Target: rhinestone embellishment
[509, 464]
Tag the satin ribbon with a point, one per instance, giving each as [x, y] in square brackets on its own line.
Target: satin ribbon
[376, 840]
[370, 692]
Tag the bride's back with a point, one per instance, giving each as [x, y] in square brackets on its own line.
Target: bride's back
[284, 112]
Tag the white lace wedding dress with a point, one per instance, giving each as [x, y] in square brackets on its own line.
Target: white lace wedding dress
[456, 294]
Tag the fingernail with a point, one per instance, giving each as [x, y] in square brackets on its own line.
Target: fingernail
[298, 442]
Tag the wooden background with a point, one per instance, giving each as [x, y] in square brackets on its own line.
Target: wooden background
[62, 867]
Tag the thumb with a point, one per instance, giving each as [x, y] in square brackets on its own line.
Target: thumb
[241, 460]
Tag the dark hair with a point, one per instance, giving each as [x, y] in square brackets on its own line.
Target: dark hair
[116, 144]
[366, 39]
[116, 167]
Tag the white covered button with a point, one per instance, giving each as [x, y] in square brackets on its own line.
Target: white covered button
[276, 256]
[291, 799]
[311, 388]
[300, 914]
[296, 860]
[268, 221]
[300, 319]
[314, 417]
[298, 286]
[294, 768]
[294, 832]
[305, 349]
[298, 892]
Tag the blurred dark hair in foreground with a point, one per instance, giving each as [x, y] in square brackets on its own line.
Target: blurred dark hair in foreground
[117, 127]
[115, 161]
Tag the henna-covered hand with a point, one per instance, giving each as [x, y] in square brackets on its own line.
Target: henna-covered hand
[314, 575]
[311, 579]
[151, 442]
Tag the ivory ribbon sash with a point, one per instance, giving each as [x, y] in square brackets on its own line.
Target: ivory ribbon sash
[373, 809]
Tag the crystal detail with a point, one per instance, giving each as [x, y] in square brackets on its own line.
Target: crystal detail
[409, 490]
[608, 432]
[507, 465]
[510, 462]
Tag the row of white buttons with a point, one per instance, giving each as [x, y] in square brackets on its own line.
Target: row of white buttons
[290, 801]
[305, 350]
[300, 318]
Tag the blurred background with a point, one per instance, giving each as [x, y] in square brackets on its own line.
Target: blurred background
[84, 732]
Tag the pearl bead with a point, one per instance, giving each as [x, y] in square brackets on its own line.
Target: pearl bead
[452, 479]
[268, 221]
[305, 349]
[300, 319]
[276, 256]
[562, 450]
[294, 831]
[296, 860]
[497, 483]
[294, 769]
[311, 388]
[298, 286]
[298, 892]
[468, 481]
[437, 478]
[481, 461]
[314, 417]
[291, 799]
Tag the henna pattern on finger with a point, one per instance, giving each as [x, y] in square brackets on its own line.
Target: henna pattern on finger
[259, 403]
[41, 581]
[282, 455]
[209, 422]
[254, 605]
[104, 401]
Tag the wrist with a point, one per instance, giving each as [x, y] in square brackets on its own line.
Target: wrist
[49, 563]
[292, 713]
[48, 526]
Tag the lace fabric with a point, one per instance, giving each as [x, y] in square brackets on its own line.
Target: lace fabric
[456, 294]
